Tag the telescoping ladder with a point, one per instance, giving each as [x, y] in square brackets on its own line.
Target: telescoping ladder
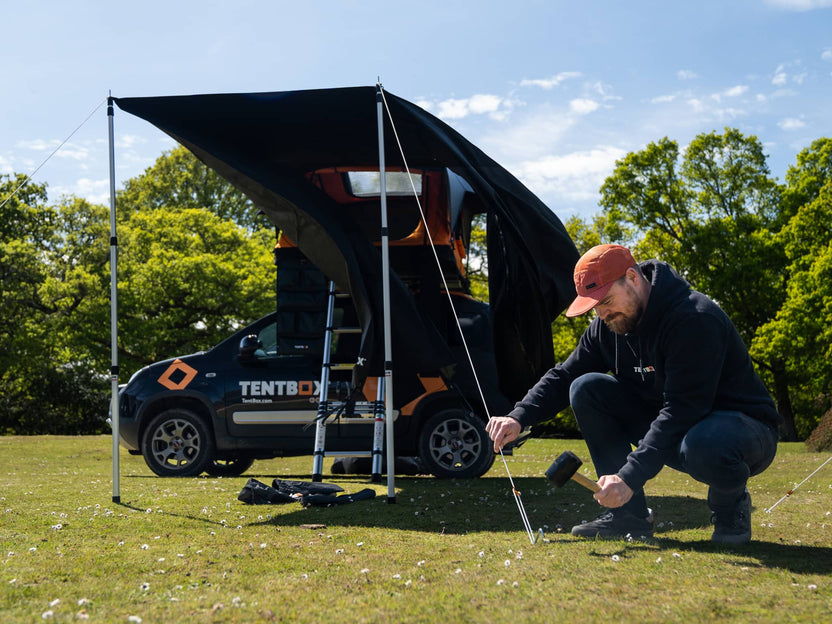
[348, 411]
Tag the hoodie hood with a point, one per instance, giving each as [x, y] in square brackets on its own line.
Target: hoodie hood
[667, 290]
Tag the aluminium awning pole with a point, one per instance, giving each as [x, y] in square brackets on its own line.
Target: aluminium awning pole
[385, 273]
[113, 307]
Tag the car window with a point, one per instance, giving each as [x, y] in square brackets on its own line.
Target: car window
[268, 341]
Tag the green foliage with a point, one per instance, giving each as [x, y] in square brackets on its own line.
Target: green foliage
[811, 172]
[644, 190]
[187, 279]
[177, 180]
[188, 275]
[42, 398]
[49, 254]
[821, 438]
[476, 262]
[801, 334]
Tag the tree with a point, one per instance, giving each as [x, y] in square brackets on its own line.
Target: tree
[811, 172]
[47, 383]
[713, 214]
[179, 180]
[476, 262]
[800, 333]
[186, 280]
[195, 263]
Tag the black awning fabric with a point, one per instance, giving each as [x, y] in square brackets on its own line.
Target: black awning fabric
[266, 143]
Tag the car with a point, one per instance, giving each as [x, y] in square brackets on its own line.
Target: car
[245, 399]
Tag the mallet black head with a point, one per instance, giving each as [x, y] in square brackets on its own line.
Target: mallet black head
[563, 468]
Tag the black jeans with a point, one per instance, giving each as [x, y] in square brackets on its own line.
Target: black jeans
[722, 450]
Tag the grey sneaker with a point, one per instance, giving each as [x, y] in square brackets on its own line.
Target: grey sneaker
[616, 523]
[733, 526]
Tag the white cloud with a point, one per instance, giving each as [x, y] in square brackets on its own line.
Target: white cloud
[75, 152]
[37, 145]
[453, 109]
[531, 137]
[663, 99]
[729, 93]
[791, 123]
[709, 109]
[574, 177]
[95, 191]
[696, 104]
[799, 5]
[728, 114]
[827, 54]
[481, 104]
[787, 72]
[603, 90]
[581, 106]
[5, 166]
[67, 150]
[781, 93]
[129, 140]
[549, 83]
[494, 106]
[686, 74]
[735, 91]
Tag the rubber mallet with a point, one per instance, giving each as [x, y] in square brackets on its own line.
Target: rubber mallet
[566, 467]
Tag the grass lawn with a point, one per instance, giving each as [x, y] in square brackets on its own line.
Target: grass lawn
[186, 550]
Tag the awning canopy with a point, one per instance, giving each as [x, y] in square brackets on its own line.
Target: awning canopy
[266, 145]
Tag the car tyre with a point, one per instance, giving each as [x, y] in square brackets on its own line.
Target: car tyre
[232, 467]
[453, 443]
[177, 443]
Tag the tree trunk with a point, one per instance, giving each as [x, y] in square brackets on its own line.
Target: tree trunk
[788, 431]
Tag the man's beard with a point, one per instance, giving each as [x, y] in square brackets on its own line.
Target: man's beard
[621, 324]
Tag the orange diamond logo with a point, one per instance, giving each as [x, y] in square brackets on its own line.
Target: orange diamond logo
[184, 373]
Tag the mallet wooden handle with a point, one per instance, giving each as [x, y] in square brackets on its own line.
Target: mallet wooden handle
[586, 482]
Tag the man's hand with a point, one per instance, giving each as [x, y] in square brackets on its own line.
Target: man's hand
[614, 492]
[502, 430]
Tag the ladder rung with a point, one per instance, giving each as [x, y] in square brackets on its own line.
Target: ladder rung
[359, 407]
[352, 420]
[342, 295]
[343, 366]
[345, 330]
[348, 453]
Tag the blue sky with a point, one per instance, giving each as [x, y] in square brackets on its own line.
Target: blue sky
[555, 91]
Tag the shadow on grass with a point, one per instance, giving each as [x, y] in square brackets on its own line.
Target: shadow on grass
[201, 519]
[793, 557]
[487, 505]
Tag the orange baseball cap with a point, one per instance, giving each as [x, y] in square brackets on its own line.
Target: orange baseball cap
[595, 273]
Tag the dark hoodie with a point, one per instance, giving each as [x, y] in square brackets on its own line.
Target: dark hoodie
[685, 357]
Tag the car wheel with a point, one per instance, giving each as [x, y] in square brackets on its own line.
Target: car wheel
[454, 444]
[233, 467]
[177, 443]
